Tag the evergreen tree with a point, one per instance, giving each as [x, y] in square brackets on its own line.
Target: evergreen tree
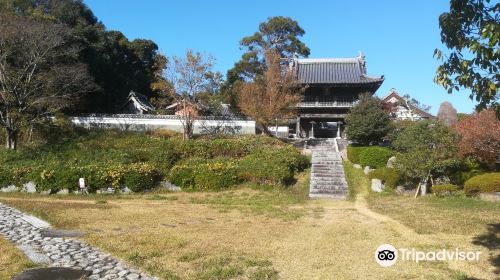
[368, 122]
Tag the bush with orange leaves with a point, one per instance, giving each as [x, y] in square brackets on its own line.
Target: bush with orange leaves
[480, 137]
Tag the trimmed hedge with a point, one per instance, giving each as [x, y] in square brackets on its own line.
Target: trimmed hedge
[375, 157]
[136, 176]
[272, 166]
[445, 189]
[489, 182]
[199, 174]
[269, 166]
[140, 177]
[353, 153]
[389, 176]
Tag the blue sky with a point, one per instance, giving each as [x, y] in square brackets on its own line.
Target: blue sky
[397, 37]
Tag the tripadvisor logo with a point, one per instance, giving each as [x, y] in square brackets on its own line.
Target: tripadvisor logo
[386, 255]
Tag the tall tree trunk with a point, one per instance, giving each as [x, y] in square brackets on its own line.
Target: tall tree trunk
[11, 139]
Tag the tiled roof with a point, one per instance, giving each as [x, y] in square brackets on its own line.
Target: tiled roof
[393, 93]
[335, 71]
[141, 100]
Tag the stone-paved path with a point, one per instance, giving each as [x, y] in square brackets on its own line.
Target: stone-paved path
[61, 252]
[327, 172]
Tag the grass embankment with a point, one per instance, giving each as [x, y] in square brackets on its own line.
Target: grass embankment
[140, 161]
[12, 261]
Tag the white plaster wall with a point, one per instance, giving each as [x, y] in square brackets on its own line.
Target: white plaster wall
[144, 123]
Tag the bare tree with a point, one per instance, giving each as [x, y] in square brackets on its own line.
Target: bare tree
[39, 73]
[272, 97]
[190, 76]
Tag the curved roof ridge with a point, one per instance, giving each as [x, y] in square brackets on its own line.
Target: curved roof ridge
[372, 77]
[327, 60]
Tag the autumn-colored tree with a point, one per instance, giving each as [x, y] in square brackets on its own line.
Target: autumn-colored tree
[480, 136]
[272, 97]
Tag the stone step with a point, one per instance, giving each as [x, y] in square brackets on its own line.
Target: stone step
[332, 172]
[327, 172]
[327, 183]
[328, 186]
[324, 176]
[329, 191]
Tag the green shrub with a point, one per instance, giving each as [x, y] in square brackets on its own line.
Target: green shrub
[140, 177]
[272, 166]
[375, 157]
[5, 176]
[183, 173]
[110, 158]
[445, 189]
[255, 170]
[231, 147]
[54, 176]
[95, 176]
[489, 182]
[216, 175]
[389, 176]
[199, 174]
[165, 157]
[354, 152]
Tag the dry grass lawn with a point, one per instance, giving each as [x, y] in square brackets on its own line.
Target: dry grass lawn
[12, 261]
[254, 234]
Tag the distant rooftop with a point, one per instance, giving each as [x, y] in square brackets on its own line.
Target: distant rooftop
[335, 71]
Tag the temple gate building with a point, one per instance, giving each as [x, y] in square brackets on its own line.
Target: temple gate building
[333, 87]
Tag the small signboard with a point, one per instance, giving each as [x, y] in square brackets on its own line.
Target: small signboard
[81, 182]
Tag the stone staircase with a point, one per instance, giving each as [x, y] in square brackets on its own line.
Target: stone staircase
[327, 173]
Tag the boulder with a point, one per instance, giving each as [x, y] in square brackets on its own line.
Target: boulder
[442, 180]
[171, 187]
[391, 161]
[125, 190]
[377, 185]
[423, 189]
[63, 191]
[106, 191]
[367, 170]
[10, 188]
[357, 166]
[46, 192]
[400, 190]
[490, 196]
[29, 187]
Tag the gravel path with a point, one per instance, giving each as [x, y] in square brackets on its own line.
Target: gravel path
[25, 232]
